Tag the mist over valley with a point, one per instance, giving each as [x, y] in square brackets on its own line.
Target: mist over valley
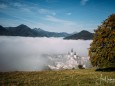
[31, 54]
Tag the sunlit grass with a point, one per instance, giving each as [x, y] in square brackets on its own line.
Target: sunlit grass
[80, 77]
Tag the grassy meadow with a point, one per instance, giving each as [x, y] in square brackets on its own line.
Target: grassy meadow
[80, 77]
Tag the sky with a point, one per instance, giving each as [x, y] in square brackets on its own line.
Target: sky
[56, 15]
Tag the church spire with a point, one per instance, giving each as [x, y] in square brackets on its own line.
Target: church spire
[74, 53]
[72, 50]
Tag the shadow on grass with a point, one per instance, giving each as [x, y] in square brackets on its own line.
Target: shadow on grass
[106, 69]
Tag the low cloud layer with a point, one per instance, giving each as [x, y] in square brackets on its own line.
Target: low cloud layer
[29, 54]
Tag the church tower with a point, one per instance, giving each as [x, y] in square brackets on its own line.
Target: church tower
[71, 53]
[75, 56]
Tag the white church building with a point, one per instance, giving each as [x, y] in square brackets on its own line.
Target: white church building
[68, 61]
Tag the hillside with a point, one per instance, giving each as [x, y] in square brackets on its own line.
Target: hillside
[50, 34]
[3, 31]
[81, 35]
[23, 30]
[80, 77]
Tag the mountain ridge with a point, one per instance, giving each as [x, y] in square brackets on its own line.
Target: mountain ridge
[86, 35]
[23, 30]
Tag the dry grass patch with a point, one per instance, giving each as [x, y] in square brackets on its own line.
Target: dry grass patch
[80, 77]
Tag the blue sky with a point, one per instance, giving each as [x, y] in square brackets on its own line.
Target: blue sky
[56, 15]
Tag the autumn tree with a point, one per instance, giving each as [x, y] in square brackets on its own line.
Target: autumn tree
[102, 49]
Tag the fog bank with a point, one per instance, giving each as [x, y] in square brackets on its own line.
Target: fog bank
[29, 54]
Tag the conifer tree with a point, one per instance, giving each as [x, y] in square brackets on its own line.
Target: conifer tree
[102, 49]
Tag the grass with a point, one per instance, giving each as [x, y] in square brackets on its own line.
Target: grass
[80, 77]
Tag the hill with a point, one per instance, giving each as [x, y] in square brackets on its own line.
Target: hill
[80, 77]
[81, 35]
[50, 34]
[23, 30]
[3, 31]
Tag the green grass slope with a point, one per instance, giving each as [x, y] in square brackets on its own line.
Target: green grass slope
[80, 77]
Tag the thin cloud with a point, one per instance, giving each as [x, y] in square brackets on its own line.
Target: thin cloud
[17, 4]
[17, 17]
[83, 2]
[57, 20]
[26, 10]
[51, 1]
[46, 11]
[69, 14]
[61, 24]
[2, 6]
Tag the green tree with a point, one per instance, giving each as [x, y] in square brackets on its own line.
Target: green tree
[102, 49]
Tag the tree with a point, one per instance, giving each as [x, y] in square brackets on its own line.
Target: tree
[102, 49]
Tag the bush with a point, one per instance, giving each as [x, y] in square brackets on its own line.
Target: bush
[81, 67]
